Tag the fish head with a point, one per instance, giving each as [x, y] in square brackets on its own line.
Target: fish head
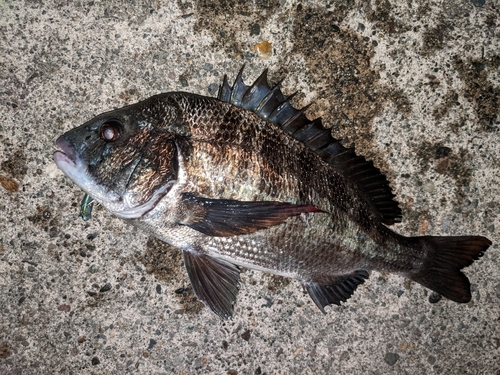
[125, 159]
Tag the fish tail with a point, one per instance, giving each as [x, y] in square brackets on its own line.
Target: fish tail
[446, 256]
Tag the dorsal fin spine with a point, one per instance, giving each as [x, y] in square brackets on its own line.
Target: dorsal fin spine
[296, 121]
[224, 90]
[252, 96]
[261, 109]
[282, 105]
[283, 110]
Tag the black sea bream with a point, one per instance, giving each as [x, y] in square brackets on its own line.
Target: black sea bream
[246, 180]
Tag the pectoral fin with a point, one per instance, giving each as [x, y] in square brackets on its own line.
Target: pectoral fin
[338, 291]
[225, 217]
[215, 282]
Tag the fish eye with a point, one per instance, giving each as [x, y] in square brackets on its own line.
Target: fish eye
[111, 130]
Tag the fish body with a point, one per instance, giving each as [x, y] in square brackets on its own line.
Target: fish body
[247, 180]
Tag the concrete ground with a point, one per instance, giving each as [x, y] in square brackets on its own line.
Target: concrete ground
[414, 85]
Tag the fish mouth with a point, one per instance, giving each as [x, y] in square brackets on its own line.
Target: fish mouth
[66, 156]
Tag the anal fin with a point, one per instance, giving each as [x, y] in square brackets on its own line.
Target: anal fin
[215, 282]
[336, 292]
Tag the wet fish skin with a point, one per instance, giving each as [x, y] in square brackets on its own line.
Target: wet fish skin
[246, 180]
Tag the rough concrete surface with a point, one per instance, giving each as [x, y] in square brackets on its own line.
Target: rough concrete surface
[414, 85]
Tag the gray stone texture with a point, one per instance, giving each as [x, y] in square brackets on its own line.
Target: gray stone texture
[414, 85]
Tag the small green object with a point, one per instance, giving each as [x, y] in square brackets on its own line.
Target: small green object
[86, 207]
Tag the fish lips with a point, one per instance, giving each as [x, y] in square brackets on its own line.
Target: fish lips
[66, 156]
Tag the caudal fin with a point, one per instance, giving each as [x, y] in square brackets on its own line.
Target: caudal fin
[446, 257]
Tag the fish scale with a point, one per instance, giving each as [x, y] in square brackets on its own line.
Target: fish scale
[247, 180]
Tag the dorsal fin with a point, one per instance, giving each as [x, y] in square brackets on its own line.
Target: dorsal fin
[270, 104]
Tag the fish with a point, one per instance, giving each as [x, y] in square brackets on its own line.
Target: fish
[246, 180]
[86, 207]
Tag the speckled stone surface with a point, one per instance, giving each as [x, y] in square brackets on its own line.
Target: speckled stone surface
[414, 85]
